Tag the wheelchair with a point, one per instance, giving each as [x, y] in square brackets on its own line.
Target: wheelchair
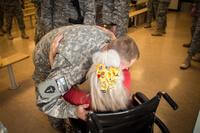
[140, 118]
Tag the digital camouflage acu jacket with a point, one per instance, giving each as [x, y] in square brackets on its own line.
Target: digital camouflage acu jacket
[72, 61]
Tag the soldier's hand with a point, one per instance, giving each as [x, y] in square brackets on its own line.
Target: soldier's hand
[53, 49]
[82, 112]
[110, 33]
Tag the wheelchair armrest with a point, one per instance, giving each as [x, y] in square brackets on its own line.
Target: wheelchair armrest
[171, 102]
[93, 119]
[161, 125]
[141, 97]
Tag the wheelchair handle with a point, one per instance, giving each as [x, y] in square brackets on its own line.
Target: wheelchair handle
[171, 102]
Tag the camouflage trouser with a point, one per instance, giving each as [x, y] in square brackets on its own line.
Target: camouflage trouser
[61, 124]
[152, 10]
[1, 17]
[53, 14]
[116, 12]
[99, 6]
[161, 16]
[195, 43]
[14, 11]
[39, 33]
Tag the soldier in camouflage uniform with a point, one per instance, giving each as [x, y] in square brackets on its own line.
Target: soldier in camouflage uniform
[2, 31]
[116, 12]
[152, 6]
[195, 43]
[54, 14]
[13, 8]
[74, 60]
[61, 65]
[161, 17]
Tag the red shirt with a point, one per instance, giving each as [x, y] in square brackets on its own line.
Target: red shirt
[78, 97]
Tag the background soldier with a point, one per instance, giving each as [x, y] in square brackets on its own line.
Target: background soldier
[195, 43]
[54, 14]
[116, 12]
[13, 8]
[2, 31]
[161, 17]
[152, 7]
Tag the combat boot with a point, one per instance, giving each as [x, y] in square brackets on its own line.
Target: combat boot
[186, 45]
[163, 31]
[9, 36]
[147, 25]
[24, 35]
[187, 63]
[196, 57]
[157, 33]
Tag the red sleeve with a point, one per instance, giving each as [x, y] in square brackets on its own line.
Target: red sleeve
[77, 97]
[127, 79]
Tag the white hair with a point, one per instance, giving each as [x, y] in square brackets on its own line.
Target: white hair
[114, 99]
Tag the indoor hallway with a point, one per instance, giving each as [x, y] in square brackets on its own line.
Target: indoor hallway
[156, 70]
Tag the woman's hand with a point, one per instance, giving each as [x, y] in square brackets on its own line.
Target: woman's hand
[53, 48]
[81, 111]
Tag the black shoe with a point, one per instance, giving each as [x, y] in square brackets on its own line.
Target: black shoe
[147, 26]
[1, 33]
[186, 45]
[10, 37]
[157, 33]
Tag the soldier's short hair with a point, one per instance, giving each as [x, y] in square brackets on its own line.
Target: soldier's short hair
[126, 48]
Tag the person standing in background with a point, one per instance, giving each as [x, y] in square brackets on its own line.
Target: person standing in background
[2, 31]
[54, 14]
[13, 8]
[195, 43]
[152, 7]
[161, 17]
[116, 13]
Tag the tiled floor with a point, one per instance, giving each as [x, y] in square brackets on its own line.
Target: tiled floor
[157, 70]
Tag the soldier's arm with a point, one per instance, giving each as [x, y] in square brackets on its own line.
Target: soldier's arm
[50, 92]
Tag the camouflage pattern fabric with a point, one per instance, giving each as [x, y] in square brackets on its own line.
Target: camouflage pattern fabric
[13, 9]
[39, 33]
[195, 43]
[161, 16]
[88, 8]
[152, 7]
[116, 12]
[99, 7]
[72, 62]
[55, 14]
